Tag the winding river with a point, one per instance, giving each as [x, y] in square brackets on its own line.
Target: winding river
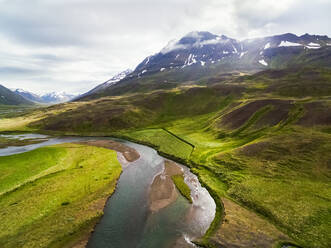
[127, 220]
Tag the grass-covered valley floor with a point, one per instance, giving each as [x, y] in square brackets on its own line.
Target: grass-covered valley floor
[259, 143]
[53, 196]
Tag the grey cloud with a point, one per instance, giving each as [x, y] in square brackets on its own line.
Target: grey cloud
[296, 16]
[51, 58]
[5, 71]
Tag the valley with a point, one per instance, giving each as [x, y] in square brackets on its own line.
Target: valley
[256, 136]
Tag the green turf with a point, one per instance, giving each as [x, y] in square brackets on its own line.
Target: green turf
[21, 168]
[182, 186]
[164, 141]
[59, 194]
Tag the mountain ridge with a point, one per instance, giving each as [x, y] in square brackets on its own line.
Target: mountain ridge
[206, 48]
[47, 98]
[8, 97]
[112, 81]
[202, 54]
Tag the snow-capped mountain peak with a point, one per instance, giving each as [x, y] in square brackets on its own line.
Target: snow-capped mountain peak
[199, 48]
[57, 97]
[52, 97]
[204, 49]
[199, 53]
[194, 40]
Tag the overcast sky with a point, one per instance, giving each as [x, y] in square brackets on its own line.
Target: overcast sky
[73, 45]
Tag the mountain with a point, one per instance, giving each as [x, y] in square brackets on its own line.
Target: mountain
[118, 77]
[29, 95]
[202, 55]
[52, 97]
[56, 97]
[196, 48]
[7, 97]
[204, 48]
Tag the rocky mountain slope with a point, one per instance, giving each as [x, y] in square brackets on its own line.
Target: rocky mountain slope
[29, 95]
[204, 48]
[202, 54]
[115, 79]
[7, 97]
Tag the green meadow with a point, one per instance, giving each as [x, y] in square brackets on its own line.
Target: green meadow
[53, 196]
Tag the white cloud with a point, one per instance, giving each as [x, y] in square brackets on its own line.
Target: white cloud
[173, 45]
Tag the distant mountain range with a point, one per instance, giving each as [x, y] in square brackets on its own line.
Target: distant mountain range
[7, 97]
[48, 98]
[203, 54]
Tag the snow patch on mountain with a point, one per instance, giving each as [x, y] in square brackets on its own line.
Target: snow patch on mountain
[190, 60]
[118, 77]
[234, 48]
[148, 58]
[263, 62]
[242, 54]
[267, 46]
[289, 44]
[313, 45]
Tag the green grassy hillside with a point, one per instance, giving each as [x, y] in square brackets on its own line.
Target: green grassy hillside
[260, 140]
[53, 196]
